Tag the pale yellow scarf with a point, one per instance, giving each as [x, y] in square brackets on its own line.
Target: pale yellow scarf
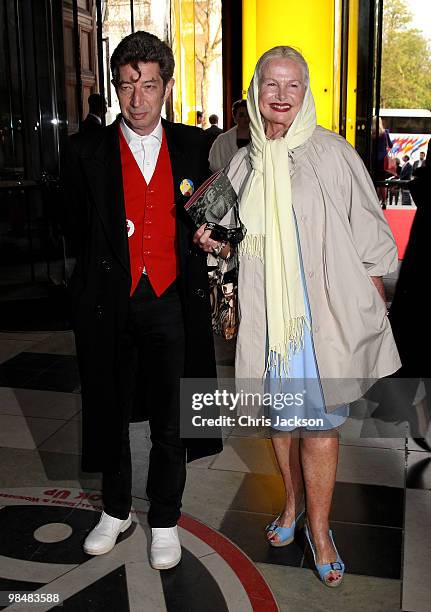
[267, 213]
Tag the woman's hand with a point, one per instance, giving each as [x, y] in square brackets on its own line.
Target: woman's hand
[203, 240]
[378, 282]
[206, 243]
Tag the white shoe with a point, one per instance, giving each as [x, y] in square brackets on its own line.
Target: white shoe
[165, 548]
[103, 537]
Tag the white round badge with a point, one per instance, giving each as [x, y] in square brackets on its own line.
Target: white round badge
[130, 228]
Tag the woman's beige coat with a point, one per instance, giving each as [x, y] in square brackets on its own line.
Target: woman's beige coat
[344, 239]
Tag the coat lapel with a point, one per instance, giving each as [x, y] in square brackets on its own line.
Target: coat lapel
[180, 171]
[178, 160]
[106, 182]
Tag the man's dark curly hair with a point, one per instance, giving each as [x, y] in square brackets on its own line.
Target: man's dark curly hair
[142, 47]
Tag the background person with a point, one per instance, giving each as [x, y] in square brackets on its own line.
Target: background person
[394, 189]
[227, 144]
[310, 288]
[406, 169]
[419, 162]
[406, 175]
[384, 145]
[96, 112]
[213, 131]
[412, 333]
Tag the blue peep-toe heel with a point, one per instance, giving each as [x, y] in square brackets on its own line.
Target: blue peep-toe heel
[325, 570]
[285, 534]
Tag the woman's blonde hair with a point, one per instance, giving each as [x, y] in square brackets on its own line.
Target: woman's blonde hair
[287, 52]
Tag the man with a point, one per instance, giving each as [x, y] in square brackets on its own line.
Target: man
[96, 113]
[141, 307]
[406, 170]
[419, 162]
[406, 175]
[213, 131]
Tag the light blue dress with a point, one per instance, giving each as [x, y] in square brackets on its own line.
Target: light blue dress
[300, 394]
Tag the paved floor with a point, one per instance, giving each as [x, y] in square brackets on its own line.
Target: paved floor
[381, 514]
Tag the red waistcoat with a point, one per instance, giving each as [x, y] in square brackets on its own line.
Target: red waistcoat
[151, 222]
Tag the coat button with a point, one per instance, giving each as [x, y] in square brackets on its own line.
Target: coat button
[200, 293]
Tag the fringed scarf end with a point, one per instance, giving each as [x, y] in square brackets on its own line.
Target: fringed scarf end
[279, 356]
[252, 246]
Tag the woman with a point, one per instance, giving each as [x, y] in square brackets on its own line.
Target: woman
[226, 145]
[310, 287]
[383, 171]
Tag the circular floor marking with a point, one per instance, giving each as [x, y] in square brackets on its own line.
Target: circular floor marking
[232, 568]
[53, 532]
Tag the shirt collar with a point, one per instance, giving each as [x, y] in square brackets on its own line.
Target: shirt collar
[131, 136]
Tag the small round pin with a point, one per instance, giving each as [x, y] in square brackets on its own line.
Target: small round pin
[186, 187]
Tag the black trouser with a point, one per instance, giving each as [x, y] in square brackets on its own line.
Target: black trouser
[155, 343]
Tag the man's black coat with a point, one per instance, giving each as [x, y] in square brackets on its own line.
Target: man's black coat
[100, 284]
